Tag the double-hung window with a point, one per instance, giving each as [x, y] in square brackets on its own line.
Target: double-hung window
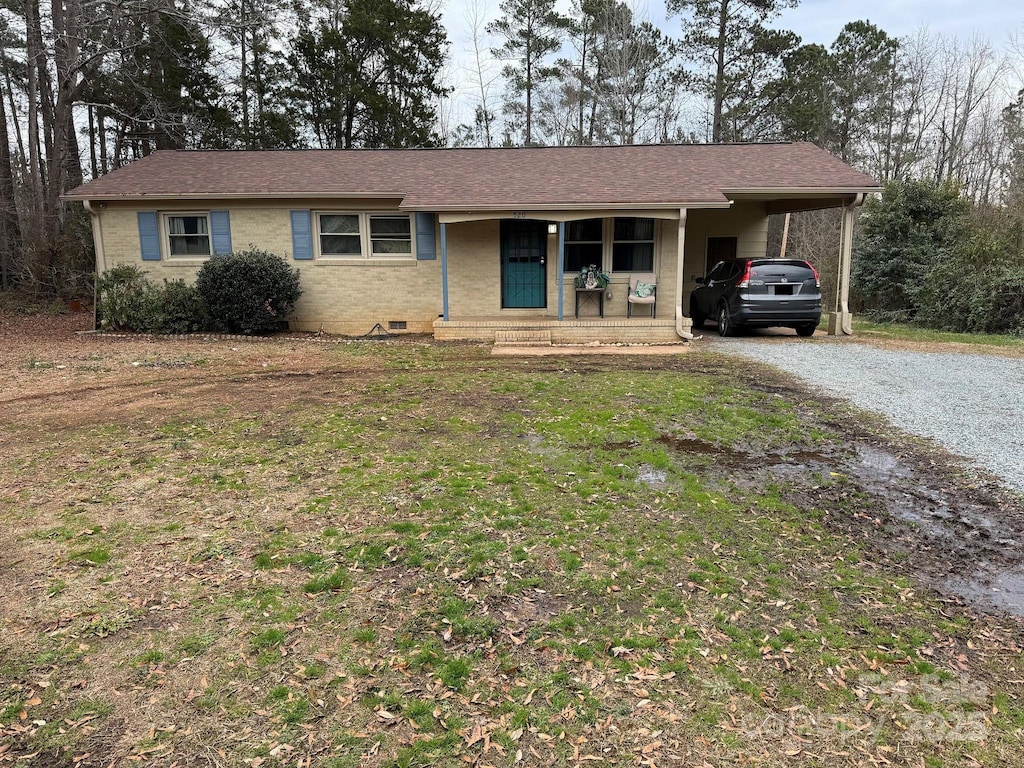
[340, 234]
[626, 244]
[188, 234]
[364, 235]
[390, 235]
[633, 245]
[584, 244]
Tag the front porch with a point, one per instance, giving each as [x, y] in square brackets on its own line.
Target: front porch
[542, 330]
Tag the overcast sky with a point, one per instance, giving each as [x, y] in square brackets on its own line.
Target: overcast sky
[815, 21]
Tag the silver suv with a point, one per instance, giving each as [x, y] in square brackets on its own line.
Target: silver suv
[758, 293]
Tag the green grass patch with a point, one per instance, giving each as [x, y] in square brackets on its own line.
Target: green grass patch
[909, 332]
[415, 554]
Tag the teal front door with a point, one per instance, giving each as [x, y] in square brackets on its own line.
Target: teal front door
[524, 248]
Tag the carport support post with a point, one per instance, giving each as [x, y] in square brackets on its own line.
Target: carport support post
[561, 269]
[841, 321]
[444, 272]
[684, 324]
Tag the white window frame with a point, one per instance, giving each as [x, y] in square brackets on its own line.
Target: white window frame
[165, 224]
[365, 238]
[608, 246]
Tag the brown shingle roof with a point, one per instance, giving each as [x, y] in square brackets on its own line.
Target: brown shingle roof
[437, 179]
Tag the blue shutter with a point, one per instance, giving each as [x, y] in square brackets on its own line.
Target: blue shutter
[302, 235]
[220, 229]
[149, 236]
[425, 248]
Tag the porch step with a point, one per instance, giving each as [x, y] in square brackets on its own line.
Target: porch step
[522, 338]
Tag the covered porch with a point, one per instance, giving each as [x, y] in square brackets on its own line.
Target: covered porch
[508, 276]
[683, 242]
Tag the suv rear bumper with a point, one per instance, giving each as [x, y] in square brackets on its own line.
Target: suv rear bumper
[758, 313]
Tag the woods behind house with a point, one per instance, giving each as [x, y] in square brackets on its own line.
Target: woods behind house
[86, 87]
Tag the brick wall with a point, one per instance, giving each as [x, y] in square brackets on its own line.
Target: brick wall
[351, 296]
[342, 296]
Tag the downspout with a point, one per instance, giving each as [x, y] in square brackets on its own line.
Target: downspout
[101, 259]
[845, 260]
[684, 325]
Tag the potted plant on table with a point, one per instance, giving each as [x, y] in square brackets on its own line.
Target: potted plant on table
[591, 278]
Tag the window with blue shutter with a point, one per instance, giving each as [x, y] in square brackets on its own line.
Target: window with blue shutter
[149, 236]
[302, 235]
[425, 241]
[220, 229]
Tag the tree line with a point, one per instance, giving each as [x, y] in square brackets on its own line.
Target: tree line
[89, 85]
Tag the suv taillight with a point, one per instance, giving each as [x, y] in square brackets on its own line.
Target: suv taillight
[817, 279]
[745, 280]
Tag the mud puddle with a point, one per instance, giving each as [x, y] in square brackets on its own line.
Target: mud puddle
[961, 543]
[998, 588]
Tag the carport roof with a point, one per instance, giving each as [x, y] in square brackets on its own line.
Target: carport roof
[652, 176]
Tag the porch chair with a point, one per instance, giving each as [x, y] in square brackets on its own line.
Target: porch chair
[642, 290]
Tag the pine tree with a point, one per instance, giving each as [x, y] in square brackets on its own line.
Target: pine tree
[532, 30]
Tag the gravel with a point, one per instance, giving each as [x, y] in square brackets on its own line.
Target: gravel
[972, 404]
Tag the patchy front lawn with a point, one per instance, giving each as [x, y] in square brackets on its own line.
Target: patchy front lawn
[295, 553]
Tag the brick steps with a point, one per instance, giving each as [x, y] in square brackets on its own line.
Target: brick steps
[522, 338]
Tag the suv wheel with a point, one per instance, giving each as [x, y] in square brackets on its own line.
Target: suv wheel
[697, 318]
[725, 326]
[806, 329]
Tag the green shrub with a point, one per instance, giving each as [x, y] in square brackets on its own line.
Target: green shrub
[248, 292]
[129, 302]
[173, 307]
[912, 227]
[979, 287]
[122, 298]
[963, 297]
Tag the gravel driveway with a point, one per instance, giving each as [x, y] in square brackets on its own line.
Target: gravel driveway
[973, 404]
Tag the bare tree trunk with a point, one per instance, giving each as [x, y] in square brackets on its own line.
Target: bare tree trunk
[723, 21]
[102, 129]
[64, 160]
[529, 96]
[14, 114]
[598, 82]
[93, 165]
[475, 19]
[118, 144]
[243, 79]
[34, 177]
[10, 229]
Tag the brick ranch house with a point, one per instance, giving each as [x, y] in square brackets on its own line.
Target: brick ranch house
[472, 243]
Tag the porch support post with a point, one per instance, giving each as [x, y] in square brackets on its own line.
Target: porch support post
[561, 269]
[684, 324]
[841, 322]
[444, 271]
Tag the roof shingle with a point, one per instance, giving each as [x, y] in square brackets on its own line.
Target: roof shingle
[439, 179]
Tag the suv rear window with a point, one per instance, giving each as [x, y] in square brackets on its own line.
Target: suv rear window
[779, 270]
